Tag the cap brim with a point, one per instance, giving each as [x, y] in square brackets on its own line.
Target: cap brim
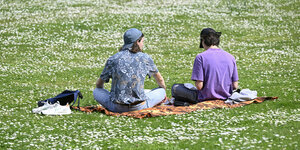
[201, 46]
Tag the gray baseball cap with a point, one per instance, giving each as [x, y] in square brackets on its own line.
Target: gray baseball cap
[130, 36]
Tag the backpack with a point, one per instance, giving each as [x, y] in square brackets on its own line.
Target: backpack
[64, 98]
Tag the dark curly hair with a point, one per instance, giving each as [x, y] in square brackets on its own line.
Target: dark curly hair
[210, 37]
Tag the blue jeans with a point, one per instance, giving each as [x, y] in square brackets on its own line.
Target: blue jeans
[102, 96]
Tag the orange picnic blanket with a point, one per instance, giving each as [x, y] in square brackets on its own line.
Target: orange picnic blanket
[170, 109]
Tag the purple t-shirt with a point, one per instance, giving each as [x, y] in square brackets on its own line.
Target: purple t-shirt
[217, 69]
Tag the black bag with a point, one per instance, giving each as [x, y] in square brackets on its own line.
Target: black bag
[64, 98]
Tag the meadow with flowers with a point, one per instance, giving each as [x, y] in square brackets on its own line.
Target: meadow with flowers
[47, 46]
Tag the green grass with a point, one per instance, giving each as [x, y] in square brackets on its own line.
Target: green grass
[48, 46]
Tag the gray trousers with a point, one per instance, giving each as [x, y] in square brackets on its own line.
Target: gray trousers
[181, 93]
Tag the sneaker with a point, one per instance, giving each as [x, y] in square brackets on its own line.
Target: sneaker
[169, 101]
[57, 110]
[45, 106]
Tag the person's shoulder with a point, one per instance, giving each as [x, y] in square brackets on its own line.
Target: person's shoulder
[144, 55]
[199, 57]
[117, 55]
[228, 54]
[201, 54]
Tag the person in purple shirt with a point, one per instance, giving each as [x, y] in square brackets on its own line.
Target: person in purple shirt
[214, 72]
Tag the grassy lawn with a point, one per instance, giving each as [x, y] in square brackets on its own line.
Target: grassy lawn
[47, 46]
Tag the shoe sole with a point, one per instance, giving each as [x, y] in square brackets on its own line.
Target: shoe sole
[39, 111]
[56, 114]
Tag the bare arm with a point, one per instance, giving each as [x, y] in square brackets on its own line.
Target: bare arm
[199, 84]
[159, 80]
[235, 85]
[100, 83]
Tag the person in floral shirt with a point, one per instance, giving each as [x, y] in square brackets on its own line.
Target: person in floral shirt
[128, 69]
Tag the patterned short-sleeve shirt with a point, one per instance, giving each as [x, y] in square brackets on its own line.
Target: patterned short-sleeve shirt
[128, 72]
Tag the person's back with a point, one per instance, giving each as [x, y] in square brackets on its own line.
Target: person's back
[128, 81]
[217, 73]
